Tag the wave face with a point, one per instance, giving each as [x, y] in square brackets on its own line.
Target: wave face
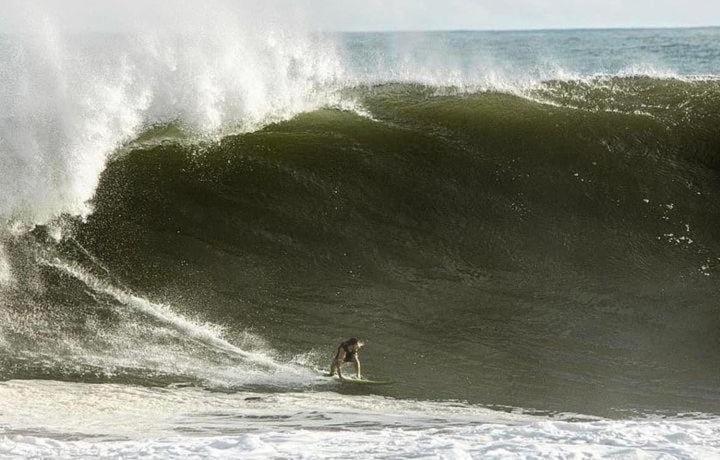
[475, 239]
[510, 234]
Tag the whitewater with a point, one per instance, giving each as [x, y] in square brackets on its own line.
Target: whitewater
[52, 419]
[199, 203]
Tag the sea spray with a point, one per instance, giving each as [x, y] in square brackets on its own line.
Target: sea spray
[69, 102]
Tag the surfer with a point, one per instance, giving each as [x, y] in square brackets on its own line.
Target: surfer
[347, 352]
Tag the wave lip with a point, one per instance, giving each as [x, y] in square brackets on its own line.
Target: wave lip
[70, 100]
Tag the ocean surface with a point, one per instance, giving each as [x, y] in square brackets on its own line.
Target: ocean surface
[523, 226]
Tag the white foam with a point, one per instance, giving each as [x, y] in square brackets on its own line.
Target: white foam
[6, 276]
[135, 344]
[57, 419]
[69, 101]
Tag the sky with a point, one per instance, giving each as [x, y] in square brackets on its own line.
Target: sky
[374, 15]
[511, 14]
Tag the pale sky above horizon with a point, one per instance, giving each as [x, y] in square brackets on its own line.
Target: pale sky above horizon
[511, 14]
[382, 15]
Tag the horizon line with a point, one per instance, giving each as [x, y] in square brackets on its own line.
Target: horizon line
[530, 29]
[441, 30]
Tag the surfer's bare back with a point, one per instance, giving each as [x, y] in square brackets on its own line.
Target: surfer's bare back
[347, 352]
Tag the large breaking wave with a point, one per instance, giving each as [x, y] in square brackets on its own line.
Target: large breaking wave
[537, 237]
[563, 239]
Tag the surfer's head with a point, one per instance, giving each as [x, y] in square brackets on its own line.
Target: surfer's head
[355, 343]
